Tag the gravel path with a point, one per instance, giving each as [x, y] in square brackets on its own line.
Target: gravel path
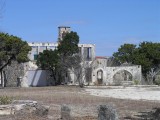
[134, 93]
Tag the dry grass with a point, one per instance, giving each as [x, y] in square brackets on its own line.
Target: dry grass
[83, 106]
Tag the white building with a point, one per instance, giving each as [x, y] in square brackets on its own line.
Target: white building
[86, 50]
[38, 47]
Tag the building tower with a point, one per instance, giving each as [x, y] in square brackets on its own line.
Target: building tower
[62, 30]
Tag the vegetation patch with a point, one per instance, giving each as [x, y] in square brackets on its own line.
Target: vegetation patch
[136, 82]
[5, 100]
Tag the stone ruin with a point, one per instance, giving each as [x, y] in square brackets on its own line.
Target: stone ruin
[24, 107]
[104, 73]
[107, 112]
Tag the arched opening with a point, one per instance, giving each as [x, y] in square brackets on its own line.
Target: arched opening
[122, 76]
[100, 76]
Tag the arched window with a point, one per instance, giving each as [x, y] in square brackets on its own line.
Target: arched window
[100, 76]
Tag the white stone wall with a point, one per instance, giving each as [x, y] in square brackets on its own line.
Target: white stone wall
[109, 72]
[39, 47]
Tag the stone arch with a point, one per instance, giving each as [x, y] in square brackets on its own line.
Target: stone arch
[122, 76]
[100, 76]
[134, 71]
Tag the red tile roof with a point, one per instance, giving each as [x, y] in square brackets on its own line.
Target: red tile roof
[101, 57]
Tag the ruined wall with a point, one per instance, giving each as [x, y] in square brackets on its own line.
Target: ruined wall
[135, 71]
[12, 72]
[108, 74]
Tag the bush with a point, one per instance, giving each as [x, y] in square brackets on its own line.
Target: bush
[136, 82]
[5, 100]
[157, 81]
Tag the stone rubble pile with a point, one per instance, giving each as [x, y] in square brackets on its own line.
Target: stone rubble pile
[23, 107]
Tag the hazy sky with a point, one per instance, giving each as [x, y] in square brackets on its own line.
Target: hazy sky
[106, 23]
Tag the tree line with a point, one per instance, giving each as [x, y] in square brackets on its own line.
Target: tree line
[146, 54]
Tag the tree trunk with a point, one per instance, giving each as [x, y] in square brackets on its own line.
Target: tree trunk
[54, 75]
[2, 80]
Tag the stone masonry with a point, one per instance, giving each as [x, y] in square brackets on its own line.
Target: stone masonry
[13, 72]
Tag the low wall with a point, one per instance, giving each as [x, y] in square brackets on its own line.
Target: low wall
[12, 72]
[37, 78]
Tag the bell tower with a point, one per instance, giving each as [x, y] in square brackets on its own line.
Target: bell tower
[62, 30]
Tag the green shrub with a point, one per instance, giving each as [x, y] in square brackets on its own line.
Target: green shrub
[5, 100]
[157, 81]
[136, 82]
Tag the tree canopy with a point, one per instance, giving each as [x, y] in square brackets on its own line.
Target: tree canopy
[68, 49]
[69, 45]
[125, 53]
[147, 54]
[12, 48]
[61, 59]
[49, 60]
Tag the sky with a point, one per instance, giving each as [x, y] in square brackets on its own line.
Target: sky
[106, 23]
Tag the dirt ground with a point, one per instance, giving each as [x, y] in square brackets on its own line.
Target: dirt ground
[83, 106]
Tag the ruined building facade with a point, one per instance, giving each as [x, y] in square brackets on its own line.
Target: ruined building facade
[87, 51]
[96, 70]
[104, 73]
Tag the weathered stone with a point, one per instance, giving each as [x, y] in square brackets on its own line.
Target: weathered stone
[24, 107]
[6, 110]
[41, 110]
[65, 112]
[19, 107]
[156, 114]
[29, 106]
[107, 112]
[12, 72]
[105, 74]
[27, 102]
